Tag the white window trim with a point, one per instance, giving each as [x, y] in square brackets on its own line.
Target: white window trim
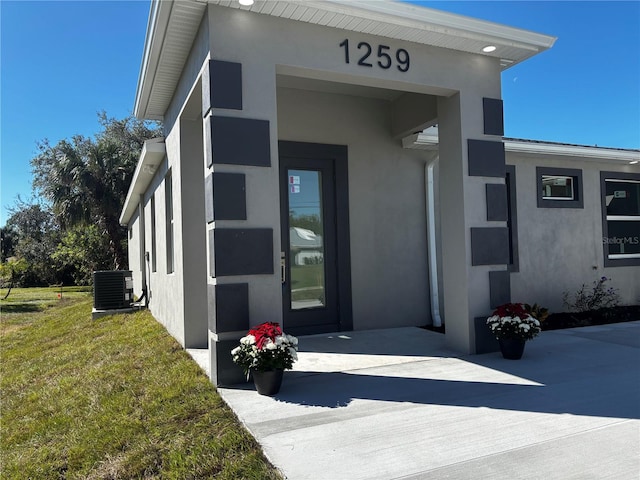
[620, 218]
[567, 177]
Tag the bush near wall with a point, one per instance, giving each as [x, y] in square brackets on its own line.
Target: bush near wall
[603, 316]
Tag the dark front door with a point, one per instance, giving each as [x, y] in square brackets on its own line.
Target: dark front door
[315, 248]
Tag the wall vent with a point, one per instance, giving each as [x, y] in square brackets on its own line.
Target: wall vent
[112, 289]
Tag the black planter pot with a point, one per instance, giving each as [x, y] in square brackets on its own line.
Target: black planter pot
[511, 348]
[267, 383]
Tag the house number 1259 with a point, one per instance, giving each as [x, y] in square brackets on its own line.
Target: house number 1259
[383, 56]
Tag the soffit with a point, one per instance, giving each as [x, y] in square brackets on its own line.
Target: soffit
[173, 25]
[171, 30]
[153, 152]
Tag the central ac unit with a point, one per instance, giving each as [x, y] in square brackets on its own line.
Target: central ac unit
[112, 289]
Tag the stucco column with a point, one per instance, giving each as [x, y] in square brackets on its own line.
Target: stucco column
[193, 233]
[473, 243]
[242, 201]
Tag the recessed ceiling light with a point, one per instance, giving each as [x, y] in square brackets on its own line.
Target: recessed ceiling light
[489, 49]
[246, 3]
[634, 162]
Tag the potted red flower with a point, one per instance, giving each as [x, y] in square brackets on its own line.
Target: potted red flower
[512, 325]
[264, 353]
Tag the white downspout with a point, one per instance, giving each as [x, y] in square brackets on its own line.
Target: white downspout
[431, 233]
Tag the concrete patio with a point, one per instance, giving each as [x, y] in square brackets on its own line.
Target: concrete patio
[396, 404]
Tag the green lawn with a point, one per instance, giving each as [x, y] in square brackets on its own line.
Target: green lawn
[111, 398]
[22, 300]
[307, 282]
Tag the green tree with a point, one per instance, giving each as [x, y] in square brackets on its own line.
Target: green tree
[35, 236]
[86, 179]
[7, 242]
[308, 221]
[10, 273]
[82, 251]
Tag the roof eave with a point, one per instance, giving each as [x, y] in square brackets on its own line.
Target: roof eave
[522, 44]
[156, 30]
[429, 141]
[153, 152]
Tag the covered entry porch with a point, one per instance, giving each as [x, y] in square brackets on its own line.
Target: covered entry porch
[312, 73]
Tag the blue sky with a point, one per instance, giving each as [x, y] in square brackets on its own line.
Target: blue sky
[61, 62]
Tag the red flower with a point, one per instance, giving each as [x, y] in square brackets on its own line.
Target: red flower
[265, 332]
[511, 310]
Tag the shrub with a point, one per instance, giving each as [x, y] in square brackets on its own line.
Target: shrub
[597, 297]
[537, 311]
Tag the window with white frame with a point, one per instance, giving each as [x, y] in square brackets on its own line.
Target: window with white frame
[621, 218]
[559, 187]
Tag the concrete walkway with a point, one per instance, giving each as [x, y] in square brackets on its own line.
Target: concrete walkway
[396, 404]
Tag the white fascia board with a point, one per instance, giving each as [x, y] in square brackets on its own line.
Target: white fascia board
[403, 17]
[156, 31]
[153, 152]
[407, 15]
[429, 141]
[583, 151]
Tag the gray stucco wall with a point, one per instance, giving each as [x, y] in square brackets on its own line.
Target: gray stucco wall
[561, 248]
[133, 249]
[166, 300]
[386, 202]
[185, 319]
[313, 52]
[387, 185]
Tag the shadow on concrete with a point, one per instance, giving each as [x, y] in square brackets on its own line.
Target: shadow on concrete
[589, 372]
[610, 397]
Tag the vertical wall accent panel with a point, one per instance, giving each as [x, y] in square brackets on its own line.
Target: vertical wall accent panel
[232, 308]
[223, 370]
[229, 196]
[499, 288]
[489, 246]
[226, 84]
[247, 251]
[486, 342]
[208, 198]
[497, 208]
[486, 158]
[493, 116]
[221, 86]
[240, 141]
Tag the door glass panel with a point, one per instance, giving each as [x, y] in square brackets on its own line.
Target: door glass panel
[306, 239]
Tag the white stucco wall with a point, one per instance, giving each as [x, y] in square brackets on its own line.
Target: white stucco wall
[561, 248]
